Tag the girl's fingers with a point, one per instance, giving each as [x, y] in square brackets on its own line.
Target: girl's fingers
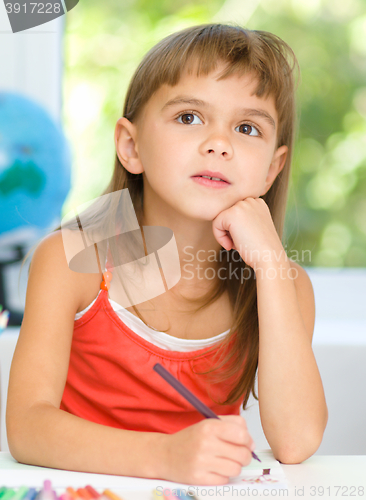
[238, 454]
[224, 239]
[229, 467]
[235, 431]
[221, 232]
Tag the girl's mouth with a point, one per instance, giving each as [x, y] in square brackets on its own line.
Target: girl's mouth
[207, 181]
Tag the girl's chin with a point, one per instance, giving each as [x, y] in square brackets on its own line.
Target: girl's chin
[205, 215]
[210, 213]
[202, 212]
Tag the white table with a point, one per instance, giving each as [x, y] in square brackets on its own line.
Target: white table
[338, 477]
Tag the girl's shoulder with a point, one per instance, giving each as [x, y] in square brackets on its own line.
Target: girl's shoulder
[50, 265]
[41, 359]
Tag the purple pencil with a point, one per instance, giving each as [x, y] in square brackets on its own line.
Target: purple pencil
[188, 395]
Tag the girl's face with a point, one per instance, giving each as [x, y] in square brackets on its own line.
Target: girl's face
[203, 126]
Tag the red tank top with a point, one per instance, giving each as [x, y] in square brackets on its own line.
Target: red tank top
[111, 380]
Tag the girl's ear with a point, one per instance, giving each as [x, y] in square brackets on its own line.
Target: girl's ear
[126, 147]
[278, 162]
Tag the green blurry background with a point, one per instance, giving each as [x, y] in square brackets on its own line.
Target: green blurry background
[326, 217]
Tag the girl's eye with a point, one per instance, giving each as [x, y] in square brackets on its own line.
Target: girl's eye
[247, 129]
[188, 118]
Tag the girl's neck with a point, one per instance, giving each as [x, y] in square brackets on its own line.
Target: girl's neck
[199, 252]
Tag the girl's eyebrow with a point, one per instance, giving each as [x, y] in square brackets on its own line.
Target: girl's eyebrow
[198, 102]
[184, 100]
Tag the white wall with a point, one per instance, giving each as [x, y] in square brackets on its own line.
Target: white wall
[340, 349]
[31, 61]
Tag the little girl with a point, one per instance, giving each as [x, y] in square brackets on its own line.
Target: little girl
[201, 175]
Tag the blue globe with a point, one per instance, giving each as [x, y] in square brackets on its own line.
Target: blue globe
[35, 165]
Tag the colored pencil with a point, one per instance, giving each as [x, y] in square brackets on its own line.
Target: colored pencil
[22, 491]
[10, 492]
[159, 495]
[46, 492]
[31, 494]
[111, 495]
[183, 496]
[92, 491]
[72, 493]
[188, 395]
[156, 495]
[65, 496]
[84, 494]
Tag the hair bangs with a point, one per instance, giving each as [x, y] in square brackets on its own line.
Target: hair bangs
[201, 48]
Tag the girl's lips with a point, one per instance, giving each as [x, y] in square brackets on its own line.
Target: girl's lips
[209, 173]
[210, 183]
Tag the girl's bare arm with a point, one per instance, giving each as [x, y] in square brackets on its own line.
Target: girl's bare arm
[291, 398]
[40, 433]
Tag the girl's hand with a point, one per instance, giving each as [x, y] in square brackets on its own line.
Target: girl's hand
[248, 228]
[209, 452]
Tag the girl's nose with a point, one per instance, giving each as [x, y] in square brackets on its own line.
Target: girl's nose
[217, 145]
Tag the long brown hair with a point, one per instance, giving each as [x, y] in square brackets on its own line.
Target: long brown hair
[273, 62]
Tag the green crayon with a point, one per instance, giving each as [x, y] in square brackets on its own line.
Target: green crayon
[23, 490]
[3, 489]
[9, 494]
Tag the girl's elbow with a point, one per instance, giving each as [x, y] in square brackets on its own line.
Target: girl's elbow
[13, 434]
[296, 452]
[15, 429]
[295, 455]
